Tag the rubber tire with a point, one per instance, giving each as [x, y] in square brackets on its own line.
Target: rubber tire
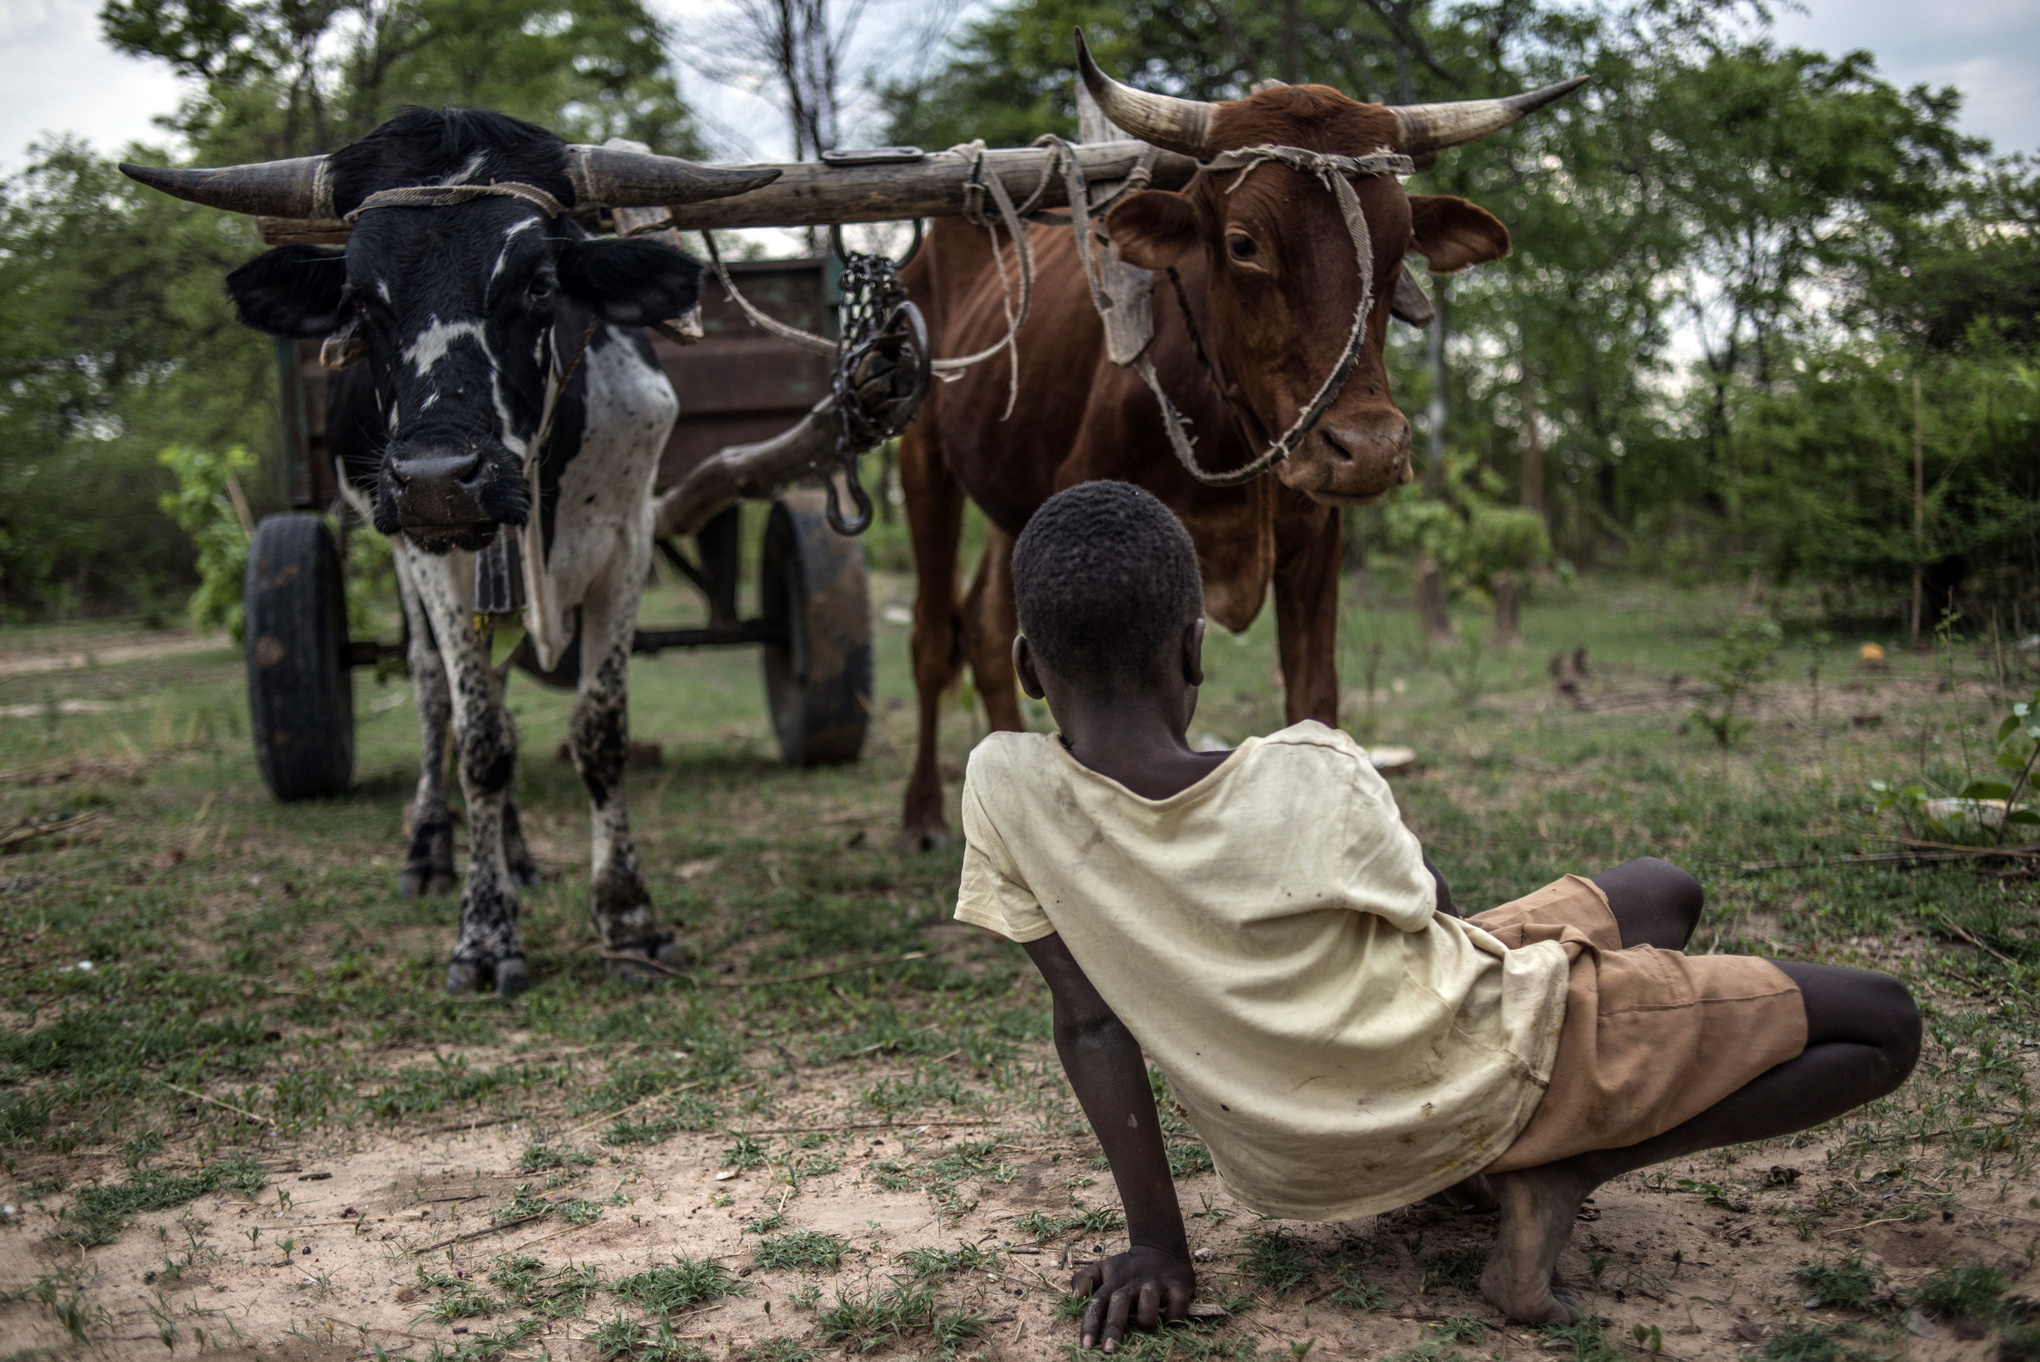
[300, 688]
[818, 683]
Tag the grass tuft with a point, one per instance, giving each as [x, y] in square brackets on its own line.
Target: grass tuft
[800, 1250]
[682, 1286]
[1962, 1292]
[1458, 1267]
[1278, 1260]
[97, 1214]
[1851, 1284]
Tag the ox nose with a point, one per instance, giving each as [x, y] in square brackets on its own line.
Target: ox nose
[1364, 458]
[437, 487]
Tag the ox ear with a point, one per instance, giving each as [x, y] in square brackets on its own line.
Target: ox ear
[1451, 233]
[1153, 228]
[293, 291]
[631, 283]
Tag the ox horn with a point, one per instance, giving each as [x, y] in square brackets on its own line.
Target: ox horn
[618, 177]
[301, 187]
[1428, 129]
[1181, 125]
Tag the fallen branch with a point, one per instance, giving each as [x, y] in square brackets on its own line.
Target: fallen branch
[864, 1125]
[28, 832]
[493, 1229]
[238, 1111]
[1965, 934]
[1915, 852]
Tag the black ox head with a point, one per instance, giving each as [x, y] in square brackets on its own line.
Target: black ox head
[454, 307]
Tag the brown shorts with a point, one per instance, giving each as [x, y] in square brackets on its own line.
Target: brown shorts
[1651, 1037]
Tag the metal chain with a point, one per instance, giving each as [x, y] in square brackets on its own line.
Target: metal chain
[875, 316]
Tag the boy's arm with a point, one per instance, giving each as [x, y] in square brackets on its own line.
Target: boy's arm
[1153, 1279]
[1445, 903]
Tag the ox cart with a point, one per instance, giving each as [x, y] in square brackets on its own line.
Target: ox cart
[735, 386]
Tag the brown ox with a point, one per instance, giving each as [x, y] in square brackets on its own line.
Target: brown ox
[1269, 273]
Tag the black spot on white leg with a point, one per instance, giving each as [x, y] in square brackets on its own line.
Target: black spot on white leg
[428, 859]
[488, 951]
[516, 855]
[633, 944]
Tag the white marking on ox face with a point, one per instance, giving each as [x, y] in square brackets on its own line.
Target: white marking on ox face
[466, 172]
[431, 344]
[503, 256]
[382, 288]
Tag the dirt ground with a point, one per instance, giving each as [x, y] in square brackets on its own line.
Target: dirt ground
[333, 1257]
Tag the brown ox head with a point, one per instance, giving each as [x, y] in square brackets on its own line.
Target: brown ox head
[1282, 281]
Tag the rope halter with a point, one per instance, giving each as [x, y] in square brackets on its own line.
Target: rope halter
[1336, 173]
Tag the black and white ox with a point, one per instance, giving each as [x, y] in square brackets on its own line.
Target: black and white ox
[488, 322]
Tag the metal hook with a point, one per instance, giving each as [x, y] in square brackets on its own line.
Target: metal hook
[834, 511]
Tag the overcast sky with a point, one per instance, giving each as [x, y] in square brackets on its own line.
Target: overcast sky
[62, 78]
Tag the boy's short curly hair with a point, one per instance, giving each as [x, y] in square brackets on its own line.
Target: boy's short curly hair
[1104, 578]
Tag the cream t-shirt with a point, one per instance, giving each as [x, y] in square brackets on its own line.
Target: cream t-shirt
[1269, 936]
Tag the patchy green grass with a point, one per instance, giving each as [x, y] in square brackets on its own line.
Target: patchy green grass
[200, 978]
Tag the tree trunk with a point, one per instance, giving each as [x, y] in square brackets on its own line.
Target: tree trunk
[1508, 622]
[1533, 448]
[1437, 411]
[1431, 603]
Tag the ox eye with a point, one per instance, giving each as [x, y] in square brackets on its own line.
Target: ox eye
[540, 293]
[1241, 246]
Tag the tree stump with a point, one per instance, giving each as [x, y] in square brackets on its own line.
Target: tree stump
[1508, 620]
[1431, 603]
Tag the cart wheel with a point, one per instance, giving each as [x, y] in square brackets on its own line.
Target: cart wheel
[300, 688]
[818, 682]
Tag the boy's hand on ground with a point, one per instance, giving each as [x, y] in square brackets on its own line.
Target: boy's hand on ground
[1141, 1288]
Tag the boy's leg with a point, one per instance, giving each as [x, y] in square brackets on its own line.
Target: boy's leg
[1862, 1039]
[1655, 903]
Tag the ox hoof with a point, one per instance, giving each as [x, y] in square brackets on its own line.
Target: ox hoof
[508, 976]
[648, 960]
[511, 977]
[418, 884]
[921, 841]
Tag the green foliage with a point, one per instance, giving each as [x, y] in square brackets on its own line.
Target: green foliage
[116, 337]
[1744, 658]
[1463, 524]
[1987, 806]
[203, 505]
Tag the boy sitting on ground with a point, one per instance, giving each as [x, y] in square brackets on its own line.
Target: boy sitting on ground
[1262, 924]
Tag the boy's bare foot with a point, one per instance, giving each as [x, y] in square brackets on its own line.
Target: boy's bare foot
[1521, 1278]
